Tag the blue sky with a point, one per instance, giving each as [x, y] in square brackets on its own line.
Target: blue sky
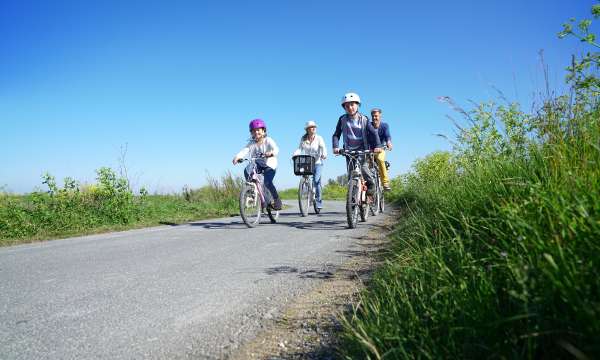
[177, 82]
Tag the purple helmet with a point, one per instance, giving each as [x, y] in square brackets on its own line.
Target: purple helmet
[256, 124]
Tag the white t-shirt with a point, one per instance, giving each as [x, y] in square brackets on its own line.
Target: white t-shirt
[253, 150]
[315, 148]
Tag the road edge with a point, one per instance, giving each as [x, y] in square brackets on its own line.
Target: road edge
[308, 327]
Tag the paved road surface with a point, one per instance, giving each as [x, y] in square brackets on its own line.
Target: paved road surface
[191, 291]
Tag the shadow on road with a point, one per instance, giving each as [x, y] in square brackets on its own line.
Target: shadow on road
[315, 224]
[221, 225]
[321, 274]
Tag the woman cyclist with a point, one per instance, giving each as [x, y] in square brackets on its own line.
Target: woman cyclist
[314, 145]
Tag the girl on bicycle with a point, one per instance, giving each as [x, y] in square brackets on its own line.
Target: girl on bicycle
[265, 149]
[313, 144]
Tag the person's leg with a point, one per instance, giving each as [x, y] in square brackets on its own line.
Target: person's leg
[366, 172]
[380, 158]
[269, 174]
[317, 185]
[248, 171]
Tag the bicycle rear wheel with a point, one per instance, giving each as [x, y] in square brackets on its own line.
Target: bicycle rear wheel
[304, 190]
[250, 206]
[352, 203]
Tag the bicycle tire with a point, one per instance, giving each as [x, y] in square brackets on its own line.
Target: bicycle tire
[352, 203]
[313, 197]
[374, 205]
[303, 196]
[317, 210]
[250, 208]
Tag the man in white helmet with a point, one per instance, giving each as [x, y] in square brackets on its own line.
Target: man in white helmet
[358, 134]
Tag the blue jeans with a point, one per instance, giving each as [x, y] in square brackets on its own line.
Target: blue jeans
[317, 184]
[268, 173]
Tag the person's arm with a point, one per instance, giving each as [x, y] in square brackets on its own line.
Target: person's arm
[323, 147]
[274, 149]
[388, 137]
[298, 151]
[335, 139]
[240, 155]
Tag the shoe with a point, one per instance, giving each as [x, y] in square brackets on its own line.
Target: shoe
[387, 188]
[277, 204]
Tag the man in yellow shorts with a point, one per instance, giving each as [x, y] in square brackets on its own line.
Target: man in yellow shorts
[386, 139]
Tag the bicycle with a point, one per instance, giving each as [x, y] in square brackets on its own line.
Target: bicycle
[379, 197]
[304, 165]
[253, 198]
[357, 201]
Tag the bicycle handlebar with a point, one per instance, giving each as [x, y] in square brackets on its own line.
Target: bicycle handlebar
[260, 156]
[355, 152]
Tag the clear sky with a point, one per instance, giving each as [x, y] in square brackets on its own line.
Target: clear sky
[178, 81]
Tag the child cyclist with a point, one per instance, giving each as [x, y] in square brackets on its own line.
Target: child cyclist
[358, 134]
[261, 145]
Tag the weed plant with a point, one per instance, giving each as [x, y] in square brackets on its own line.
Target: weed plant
[497, 252]
[107, 205]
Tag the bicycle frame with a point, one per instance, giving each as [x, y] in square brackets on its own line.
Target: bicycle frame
[254, 185]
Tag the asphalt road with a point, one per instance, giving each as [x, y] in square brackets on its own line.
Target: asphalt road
[197, 290]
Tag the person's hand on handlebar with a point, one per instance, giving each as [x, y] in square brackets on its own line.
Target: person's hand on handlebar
[235, 160]
[268, 154]
[336, 150]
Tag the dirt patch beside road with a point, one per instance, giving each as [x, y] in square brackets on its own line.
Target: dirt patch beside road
[307, 328]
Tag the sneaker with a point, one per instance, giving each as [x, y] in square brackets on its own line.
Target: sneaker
[277, 204]
[387, 188]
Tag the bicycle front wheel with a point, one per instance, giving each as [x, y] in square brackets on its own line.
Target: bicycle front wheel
[304, 196]
[352, 203]
[314, 201]
[250, 206]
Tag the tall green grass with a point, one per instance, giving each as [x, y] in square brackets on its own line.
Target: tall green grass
[497, 252]
[109, 204]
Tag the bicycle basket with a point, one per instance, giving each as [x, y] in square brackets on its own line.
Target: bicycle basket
[304, 164]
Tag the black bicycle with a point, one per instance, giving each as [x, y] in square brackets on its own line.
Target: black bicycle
[357, 201]
[304, 165]
[380, 193]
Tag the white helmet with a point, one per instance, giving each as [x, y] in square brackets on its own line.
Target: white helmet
[349, 97]
[310, 123]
